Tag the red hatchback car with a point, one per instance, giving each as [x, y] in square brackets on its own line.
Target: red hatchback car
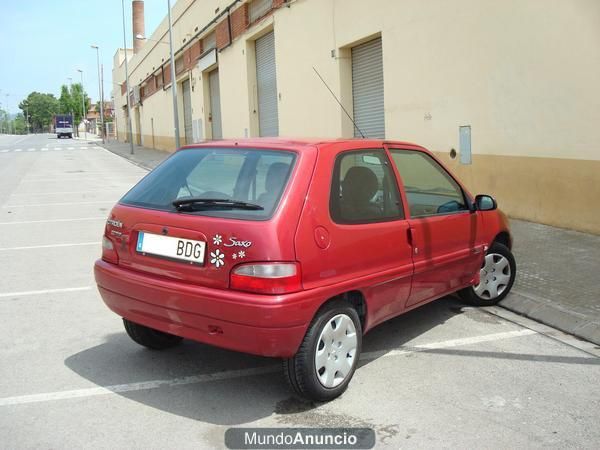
[295, 249]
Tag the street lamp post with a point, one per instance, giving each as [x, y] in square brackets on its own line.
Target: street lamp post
[100, 93]
[83, 105]
[127, 81]
[173, 80]
[8, 127]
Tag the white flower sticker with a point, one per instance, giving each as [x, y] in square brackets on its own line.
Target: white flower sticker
[241, 254]
[234, 256]
[217, 258]
[217, 239]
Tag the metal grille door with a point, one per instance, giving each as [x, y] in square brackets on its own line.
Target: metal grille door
[367, 89]
[187, 111]
[266, 80]
[215, 105]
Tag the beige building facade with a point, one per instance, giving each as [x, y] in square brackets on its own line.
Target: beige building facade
[507, 92]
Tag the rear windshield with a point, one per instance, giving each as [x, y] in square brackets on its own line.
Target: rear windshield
[254, 176]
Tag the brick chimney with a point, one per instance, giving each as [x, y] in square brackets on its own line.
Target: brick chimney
[137, 7]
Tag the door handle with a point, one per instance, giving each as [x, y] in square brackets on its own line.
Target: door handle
[410, 235]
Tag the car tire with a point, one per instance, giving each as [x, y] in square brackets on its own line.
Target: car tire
[337, 352]
[149, 337]
[497, 275]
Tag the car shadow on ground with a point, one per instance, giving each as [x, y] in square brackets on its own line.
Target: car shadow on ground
[201, 382]
[237, 399]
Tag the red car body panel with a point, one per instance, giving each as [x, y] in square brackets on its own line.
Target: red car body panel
[395, 265]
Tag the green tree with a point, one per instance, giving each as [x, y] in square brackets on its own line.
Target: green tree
[19, 125]
[76, 93]
[41, 109]
[65, 101]
[3, 121]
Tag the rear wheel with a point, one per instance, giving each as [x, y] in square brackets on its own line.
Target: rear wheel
[149, 337]
[325, 363]
[496, 277]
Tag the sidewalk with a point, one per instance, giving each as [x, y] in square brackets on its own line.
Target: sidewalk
[556, 268]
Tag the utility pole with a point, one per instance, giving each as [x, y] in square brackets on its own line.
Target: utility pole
[71, 102]
[173, 80]
[83, 105]
[127, 82]
[8, 115]
[100, 92]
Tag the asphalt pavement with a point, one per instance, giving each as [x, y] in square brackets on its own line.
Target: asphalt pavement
[444, 375]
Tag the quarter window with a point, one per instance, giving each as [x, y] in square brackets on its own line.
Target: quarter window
[430, 190]
[364, 188]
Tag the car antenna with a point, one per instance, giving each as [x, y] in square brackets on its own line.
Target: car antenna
[339, 103]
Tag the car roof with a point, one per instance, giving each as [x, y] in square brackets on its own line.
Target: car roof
[296, 143]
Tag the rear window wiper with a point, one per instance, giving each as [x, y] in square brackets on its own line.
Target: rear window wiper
[192, 204]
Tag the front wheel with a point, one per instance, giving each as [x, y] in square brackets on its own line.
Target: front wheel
[149, 337]
[496, 277]
[325, 363]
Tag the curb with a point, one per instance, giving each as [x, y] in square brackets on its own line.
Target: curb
[549, 313]
[125, 157]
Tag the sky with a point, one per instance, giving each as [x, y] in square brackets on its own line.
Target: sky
[44, 42]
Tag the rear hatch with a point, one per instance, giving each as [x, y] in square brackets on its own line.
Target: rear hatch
[232, 206]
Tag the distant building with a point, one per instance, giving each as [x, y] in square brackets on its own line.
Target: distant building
[93, 116]
[506, 93]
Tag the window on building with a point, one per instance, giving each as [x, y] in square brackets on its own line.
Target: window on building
[430, 190]
[259, 8]
[179, 65]
[209, 42]
[364, 189]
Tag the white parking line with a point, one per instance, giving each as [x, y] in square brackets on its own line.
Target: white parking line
[17, 150]
[44, 291]
[36, 194]
[5, 151]
[60, 204]
[71, 148]
[45, 149]
[26, 222]
[31, 247]
[231, 374]
[57, 148]
[31, 149]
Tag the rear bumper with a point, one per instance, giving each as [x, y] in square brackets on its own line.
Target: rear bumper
[257, 324]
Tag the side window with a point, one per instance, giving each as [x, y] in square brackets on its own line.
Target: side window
[430, 190]
[364, 189]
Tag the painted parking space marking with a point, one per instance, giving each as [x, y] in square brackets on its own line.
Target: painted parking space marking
[59, 204]
[241, 373]
[43, 292]
[18, 150]
[33, 247]
[26, 222]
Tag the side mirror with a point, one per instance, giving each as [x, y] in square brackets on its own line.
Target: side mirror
[485, 202]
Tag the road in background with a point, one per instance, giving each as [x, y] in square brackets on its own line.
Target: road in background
[441, 376]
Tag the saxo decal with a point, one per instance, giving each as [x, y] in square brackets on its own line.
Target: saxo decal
[218, 257]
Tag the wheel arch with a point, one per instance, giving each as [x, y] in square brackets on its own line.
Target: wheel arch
[355, 298]
[504, 238]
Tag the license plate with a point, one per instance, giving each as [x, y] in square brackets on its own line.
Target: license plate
[171, 247]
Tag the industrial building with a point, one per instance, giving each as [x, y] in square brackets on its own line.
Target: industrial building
[506, 92]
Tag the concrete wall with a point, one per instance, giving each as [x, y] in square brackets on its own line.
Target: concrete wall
[522, 73]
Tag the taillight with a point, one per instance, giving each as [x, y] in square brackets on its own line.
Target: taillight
[267, 278]
[109, 254]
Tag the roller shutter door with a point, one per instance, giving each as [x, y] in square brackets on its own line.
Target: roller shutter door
[266, 80]
[215, 104]
[367, 89]
[187, 111]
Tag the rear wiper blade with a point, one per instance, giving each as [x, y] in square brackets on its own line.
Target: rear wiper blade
[192, 203]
